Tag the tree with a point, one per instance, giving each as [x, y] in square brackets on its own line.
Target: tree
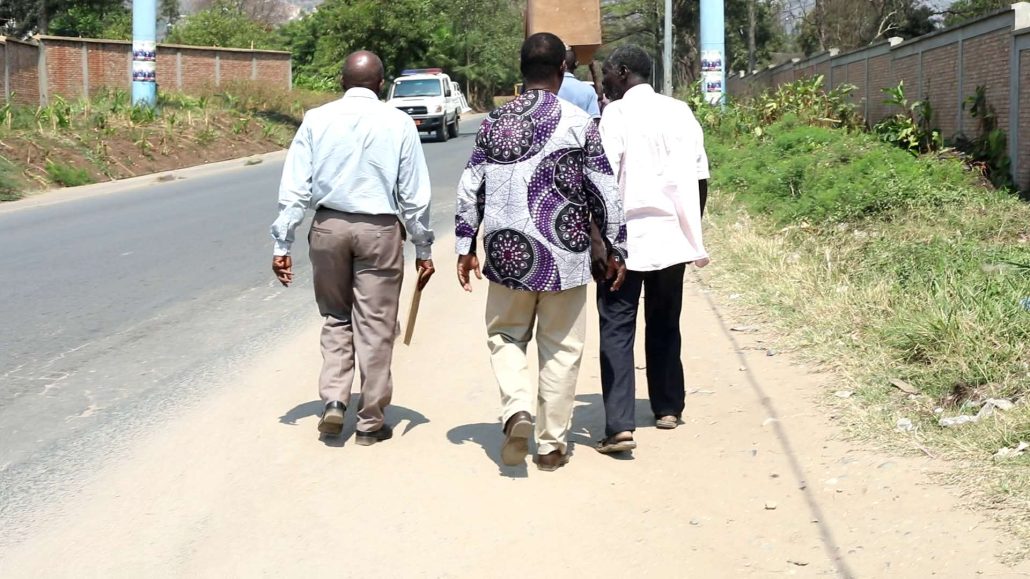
[25, 17]
[269, 13]
[93, 22]
[963, 10]
[222, 25]
[848, 24]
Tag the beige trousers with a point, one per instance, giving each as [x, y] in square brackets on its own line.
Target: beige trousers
[560, 320]
[358, 265]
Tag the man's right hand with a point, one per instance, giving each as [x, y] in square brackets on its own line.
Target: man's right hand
[282, 267]
[468, 263]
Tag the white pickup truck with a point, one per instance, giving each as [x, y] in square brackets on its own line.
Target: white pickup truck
[432, 99]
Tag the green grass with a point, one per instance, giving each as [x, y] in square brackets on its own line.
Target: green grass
[67, 176]
[880, 265]
[10, 186]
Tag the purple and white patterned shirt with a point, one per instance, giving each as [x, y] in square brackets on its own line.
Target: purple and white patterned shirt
[536, 178]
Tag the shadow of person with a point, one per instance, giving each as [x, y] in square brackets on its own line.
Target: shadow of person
[588, 421]
[393, 416]
[488, 435]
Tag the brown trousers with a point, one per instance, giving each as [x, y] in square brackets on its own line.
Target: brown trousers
[358, 265]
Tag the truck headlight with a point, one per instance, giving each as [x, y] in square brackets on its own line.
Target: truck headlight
[439, 108]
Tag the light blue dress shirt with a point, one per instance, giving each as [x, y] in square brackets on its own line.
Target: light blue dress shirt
[580, 94]
[356, 155]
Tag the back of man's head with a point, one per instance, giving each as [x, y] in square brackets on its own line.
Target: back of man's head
[570, 60]
[362, 69]
[633, 58]
[542, 56]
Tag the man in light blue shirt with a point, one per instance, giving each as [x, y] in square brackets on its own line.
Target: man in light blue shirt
[576, 91]
[359, 163]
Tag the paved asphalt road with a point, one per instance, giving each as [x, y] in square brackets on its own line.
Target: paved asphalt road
[120, 308]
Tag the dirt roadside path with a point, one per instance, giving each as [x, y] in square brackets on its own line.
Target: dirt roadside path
[240, 486]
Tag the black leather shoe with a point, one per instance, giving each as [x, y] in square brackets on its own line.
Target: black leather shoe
[517, 431]
[332, 418]
[370, 438]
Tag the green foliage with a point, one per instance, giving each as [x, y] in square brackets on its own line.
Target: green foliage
[912, 129]
[94, 21]
[56, 115]
[964, 10]
[846, 24]
[10, 186]
[821, 175]
[224, 24]
[476, 41]
[990, 148]
[803, 101]
[66, 175]
[891, 265]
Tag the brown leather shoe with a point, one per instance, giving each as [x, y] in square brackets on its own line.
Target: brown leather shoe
[551, 461]
[517, 431]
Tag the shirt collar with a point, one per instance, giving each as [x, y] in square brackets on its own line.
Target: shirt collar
[360, 92]
[569, 74]
[640, 89]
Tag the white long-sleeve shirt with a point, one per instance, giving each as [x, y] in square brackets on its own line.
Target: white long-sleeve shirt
[656, 149]
[356, 155]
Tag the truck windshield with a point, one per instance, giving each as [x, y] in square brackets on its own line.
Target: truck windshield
[417, 88]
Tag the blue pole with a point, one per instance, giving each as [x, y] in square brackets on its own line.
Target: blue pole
[144, 52]
[713, 51]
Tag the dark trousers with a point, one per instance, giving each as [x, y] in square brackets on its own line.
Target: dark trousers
[663, 301]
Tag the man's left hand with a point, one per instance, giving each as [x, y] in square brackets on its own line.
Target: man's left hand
[616, 272]
[425, 271]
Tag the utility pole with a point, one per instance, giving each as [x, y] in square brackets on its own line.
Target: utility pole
[713, 51]
[667, 51]
[144, 52]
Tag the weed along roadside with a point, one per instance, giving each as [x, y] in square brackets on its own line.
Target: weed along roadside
[105, 137]
[907, 275]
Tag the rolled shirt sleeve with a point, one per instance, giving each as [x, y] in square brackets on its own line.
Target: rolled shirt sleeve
[414, 193]
[294, 191]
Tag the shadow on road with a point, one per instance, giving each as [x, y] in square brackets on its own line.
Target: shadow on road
[830, 545]
[588, 422]
[394, 415]
[488, 435]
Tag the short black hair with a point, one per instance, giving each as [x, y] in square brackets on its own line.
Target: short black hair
[571, 62]
[635, 59]
[542, 56]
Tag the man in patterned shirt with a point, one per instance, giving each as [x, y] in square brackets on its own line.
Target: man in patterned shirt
[537, 177]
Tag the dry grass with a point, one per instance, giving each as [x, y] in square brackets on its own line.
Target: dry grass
[803, 283]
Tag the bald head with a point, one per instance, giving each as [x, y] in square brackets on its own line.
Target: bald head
[363, 69]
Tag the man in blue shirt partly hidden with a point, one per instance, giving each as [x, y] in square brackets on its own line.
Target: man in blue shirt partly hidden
[359, 164]
[576, 91]
[537, 178]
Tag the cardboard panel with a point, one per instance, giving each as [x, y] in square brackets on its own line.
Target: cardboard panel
[576, 22]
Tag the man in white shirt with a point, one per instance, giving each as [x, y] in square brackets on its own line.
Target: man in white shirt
[359, 164]
[656, 149]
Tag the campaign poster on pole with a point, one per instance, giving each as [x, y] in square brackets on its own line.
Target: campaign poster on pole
[144, 61]
[712, 75]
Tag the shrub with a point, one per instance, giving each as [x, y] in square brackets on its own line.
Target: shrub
[66, 175]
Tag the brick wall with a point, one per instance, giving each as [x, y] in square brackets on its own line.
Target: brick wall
[64, 69]
[74, 66]
[943, 67]
[1023, 162]
[22, 61]
[985, 61]
[940, 86]
[880, 77]
[108, 66]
